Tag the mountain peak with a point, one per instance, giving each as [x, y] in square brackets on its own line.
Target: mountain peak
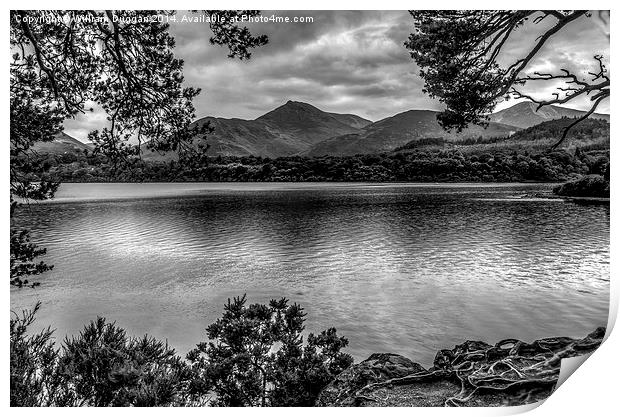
[286, 130]
[526, 114]
[293, 111]
[300, 104]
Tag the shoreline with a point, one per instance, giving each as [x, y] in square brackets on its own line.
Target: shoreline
[213, 186]
[574, 199]
[108, 191]
[472, 374]
[313, 182]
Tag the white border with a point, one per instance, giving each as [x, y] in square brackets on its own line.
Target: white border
[591, 391]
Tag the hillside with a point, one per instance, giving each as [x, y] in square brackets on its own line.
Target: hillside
[61, 144]
[351, 120]
[553, 129]
[309, 124]
[590, 134]
[392, 132]
[287, 130]
[297, 128]
[524, 114]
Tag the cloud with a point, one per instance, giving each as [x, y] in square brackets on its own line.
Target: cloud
[334, 62]
[572, 49]
[344, 61]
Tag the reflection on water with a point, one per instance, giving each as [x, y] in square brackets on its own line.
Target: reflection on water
[398, 268]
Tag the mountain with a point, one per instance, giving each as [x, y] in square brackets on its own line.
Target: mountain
[590, 134]
[351, 120]
[392, 132]
[61, 144]
[310, 124]
[287, 130]
[524, 114]
[553, 129]
[297, 128]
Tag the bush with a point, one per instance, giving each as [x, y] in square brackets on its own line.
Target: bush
[255, 357]
[106, 368]
[34, 372]
[100, 367]
[586, 186]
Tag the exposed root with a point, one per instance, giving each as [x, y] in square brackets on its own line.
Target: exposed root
[510, 371]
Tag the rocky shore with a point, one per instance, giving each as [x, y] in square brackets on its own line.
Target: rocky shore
[474, 373]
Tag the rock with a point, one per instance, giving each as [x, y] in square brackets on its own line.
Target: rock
[378, 367]
[511, 372]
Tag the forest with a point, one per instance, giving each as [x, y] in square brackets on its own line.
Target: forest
[417, 165]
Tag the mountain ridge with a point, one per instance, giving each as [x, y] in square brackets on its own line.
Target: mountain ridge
[525, 114]
[387, 134]
[403, 128]
[62, 143]
[298, 128]
[286, 130]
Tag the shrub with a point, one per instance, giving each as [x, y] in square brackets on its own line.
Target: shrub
[33, 362]
[586, 186]
[256, 357]
[106, 368]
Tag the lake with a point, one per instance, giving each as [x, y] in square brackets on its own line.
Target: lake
[402, 268]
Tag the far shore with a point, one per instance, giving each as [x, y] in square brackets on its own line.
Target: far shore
[313, 182]
[185, 188]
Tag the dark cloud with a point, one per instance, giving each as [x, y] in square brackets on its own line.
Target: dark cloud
[344, 61]
[329, 63]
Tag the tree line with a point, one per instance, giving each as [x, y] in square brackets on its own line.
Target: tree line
[417, 165]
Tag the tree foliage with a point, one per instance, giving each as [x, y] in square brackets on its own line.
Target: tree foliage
[100, 367]
[461, 53]
[104, 367]
[64, 63]
[593, 185]
[33, 363]
[256, 357]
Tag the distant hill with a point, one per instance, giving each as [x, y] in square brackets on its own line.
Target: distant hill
[553, 129]
[592, 134]
[61, 144]
[287, 130]
[524, 114]
[392, 132]
[297, 128]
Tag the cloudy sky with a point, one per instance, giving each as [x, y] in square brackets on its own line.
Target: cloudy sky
[344, 61]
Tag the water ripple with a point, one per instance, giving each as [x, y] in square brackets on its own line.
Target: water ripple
[399, 268]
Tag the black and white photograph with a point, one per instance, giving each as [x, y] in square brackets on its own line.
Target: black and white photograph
[306, 208]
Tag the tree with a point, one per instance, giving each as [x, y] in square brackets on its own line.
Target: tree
[256, 357]
[459, 54]
[65, 62]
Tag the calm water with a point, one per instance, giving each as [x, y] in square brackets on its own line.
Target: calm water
[400, 268]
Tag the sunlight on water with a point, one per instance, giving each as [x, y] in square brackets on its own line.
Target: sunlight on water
[400, 268]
